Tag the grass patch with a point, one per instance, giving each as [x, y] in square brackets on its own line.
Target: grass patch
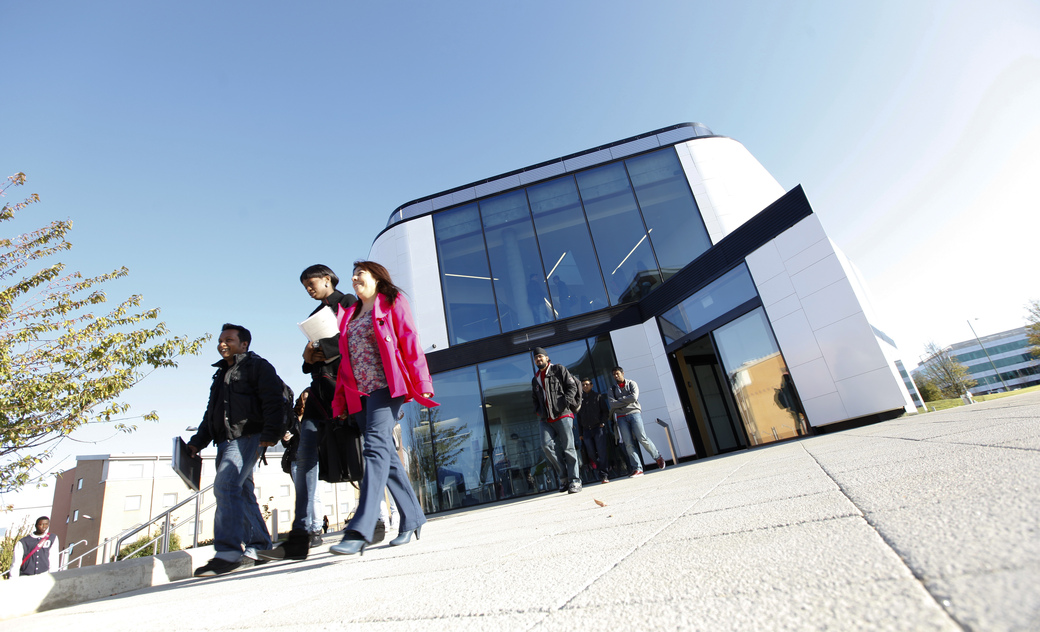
[943, 404]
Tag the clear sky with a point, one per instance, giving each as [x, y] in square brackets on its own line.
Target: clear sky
[218, 148]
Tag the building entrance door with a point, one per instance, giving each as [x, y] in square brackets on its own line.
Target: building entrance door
[712, 414]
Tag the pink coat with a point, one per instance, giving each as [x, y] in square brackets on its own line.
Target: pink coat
[403, 359]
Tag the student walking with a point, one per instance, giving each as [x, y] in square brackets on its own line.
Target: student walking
[383, 367]
[624, 401]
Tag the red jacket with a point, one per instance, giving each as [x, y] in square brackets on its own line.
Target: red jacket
[403, 359]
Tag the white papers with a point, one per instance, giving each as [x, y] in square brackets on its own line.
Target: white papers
[320, 325]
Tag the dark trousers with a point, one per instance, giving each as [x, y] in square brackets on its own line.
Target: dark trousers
[383, 468]
[595, 440]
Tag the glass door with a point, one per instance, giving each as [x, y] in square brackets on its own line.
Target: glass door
[758, 378]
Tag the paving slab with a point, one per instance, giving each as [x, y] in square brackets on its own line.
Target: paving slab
[927, 522]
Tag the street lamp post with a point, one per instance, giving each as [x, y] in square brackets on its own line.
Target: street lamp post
[1006, 389]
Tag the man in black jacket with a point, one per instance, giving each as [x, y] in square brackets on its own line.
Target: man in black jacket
[593, 417]
[246, 413]
[554, 391]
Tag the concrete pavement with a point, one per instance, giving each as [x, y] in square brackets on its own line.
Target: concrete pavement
[922, 523]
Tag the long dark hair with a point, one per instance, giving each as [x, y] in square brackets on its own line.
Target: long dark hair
[384, 285]
[317, 271]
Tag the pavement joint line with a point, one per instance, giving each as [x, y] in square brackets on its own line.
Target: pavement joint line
[891, 547]
[640, 544]
[935, 441]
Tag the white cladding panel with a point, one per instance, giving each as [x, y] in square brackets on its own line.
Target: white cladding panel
[640, 351]
[409, 253]
[730, 186]
[812, 296]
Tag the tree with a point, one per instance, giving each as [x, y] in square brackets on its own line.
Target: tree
[147, 544]
[61, 365]
[9, 541]
[945, 372]
[929, 392]
[1033, 328]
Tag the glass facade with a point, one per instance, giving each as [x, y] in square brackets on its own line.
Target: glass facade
[483, 442]
[720, 296]
[575, 244]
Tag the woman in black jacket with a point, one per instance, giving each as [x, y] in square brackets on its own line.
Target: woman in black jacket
[320, 361]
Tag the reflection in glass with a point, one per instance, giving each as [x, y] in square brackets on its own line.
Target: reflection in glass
[516, 465]
[675, 226]
[759, 379]
[515, 265]
[567, 253]
[448, 442]
[625, 256]
[468, 297]
[721, 295]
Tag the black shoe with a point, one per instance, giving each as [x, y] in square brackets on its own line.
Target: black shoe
[316, 540]
[574, 487]
[294, 548]
[217, 566]
[380, 532]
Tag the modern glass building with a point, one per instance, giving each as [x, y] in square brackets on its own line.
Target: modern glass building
[998, 362]
[673, 254]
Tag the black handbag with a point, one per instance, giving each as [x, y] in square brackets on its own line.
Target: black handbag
[339, 452]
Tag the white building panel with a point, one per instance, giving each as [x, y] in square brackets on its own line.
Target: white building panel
[765, 263]
[822, 328]
[813, 379]
[737, 185]
[834, 302]
[409, 252]
[823, 410]
[850, 348]
[860, 394]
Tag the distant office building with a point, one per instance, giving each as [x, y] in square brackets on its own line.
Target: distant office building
[105, 495]
[1009, 363]
[673, 254]
[911, 387]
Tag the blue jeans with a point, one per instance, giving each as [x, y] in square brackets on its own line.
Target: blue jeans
[558, 444]
[631, 426]
[238, 525]
[595, 440]
[383, 468]
[305, 479]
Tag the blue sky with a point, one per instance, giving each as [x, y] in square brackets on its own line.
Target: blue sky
[218, 148]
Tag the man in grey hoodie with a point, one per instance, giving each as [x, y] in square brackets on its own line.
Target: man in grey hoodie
[624, 402]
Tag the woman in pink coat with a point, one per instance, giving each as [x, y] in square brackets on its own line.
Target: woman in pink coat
[382, 367]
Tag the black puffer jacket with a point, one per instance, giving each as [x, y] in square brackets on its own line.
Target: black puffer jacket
[245, 399]
[323, 374]
[562, 392]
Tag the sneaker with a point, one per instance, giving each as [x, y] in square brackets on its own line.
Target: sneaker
[315, 540]
[637, 473]
[660, 462]
[574, 487]
[604, 479]
[380, 532]
[217, 566]
[563, 488]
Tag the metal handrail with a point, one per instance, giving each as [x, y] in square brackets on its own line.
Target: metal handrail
[164, 536]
